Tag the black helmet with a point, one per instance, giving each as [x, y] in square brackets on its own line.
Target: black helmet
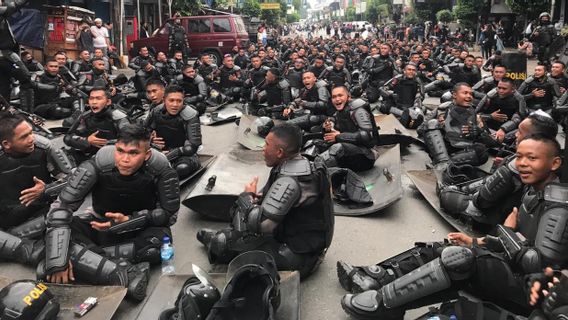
[27, 300]
[252, 290]
[262, 126]
[193, 302]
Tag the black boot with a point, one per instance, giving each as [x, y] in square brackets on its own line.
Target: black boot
[205, 235]
[369, 305]
[360, 279]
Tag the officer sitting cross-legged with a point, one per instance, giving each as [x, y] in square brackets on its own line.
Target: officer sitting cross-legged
[135, 196]
[291, 218]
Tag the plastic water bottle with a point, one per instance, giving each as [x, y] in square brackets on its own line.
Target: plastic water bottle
[453, 317]
[167, 253]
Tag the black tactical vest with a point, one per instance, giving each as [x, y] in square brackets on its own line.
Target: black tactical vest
[171, 128]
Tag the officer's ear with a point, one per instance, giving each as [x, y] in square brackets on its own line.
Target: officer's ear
[6, 145]
[556, 163]
[148, 151]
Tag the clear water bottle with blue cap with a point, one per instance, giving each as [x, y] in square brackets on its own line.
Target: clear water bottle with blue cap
[167, 253]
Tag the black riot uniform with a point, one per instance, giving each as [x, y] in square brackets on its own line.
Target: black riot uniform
[496, 272]
[294, 77]
[138, 62]
[403, 97]
[546, 83]
[195, 91]
[48, 101]
[447, 143]
[483, 86]
[544, 35]
[254, 80]
[182, 135]
[207, 72]
[150, 197]
[272, 63]
[379, 69]
[358, 134]
[313, 106]
[11, 64]
[514, 106]
[275, 96]
[166, 71]
[142, 76]
[22, 227]
[336, 77]
[459, 72]
[317, 70]
[107, 122]
[303, 214]
[176, 66]
[241, 61]
[487, 200]
[231, 88]
[177, 40]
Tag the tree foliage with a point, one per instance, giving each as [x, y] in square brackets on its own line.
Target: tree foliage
[186, 7]
[411, 18]
[530, 8]
[350, 13]
[377, 9]
[444, 16]
[294, 17]
[467, 11]
[251, 8]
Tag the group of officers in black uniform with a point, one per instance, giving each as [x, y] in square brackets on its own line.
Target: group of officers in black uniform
[132, 167]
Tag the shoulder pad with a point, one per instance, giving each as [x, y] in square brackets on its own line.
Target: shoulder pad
[265, 68]
[330, 68]
[283, 84]
[512, 166]
[104, 159]
[398, 77]
[321, 84]
[358, 103]
[157, 162]
[179, 78]
[445, 105]
[492, 93]
[117, 115]
[556, 192]
[296, 167]
[42, 142]
[529, 79]
[198, 79]
[213, 66]
[188, 113]
[488, 79]
[518, 96]
[237, 68]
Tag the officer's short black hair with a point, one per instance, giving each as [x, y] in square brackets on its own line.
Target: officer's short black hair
[275, 71]
[500, 66]
[97, 59]
[154, 82]
[508, 80]
[556, 149]
[173, 88]
[290, 135]
[543, 125]
[254, 56]
[8, 123]
[561, 63]
[187, 66]
[469, 56]
[51, 60]
[133, 133]
[458, 85]
[101, 88]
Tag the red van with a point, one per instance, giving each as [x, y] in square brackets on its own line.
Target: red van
[214, 34]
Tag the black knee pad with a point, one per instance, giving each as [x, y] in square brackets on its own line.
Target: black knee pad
[459, 262]
[148, 250]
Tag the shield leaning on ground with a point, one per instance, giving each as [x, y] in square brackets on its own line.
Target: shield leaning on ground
[382, 182]
[69, 296]
[391, 131]
[231, 171]
[221, 115]
[426, 181]
[246, 135]
[205, 160]
[166, 291]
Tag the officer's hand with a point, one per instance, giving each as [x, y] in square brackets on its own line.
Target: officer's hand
[441, 119]
[537, 287]
[460, 239]
[96, 141]
[500, 135]
[562, 90]
[30, 195]
[466, 129]
[498, 116]
[328, 125]
[62, 277]
[113, 91]
[232, 77]
[251, 186]
[539, 93]
[331, 136]
[287, 112]
[511, 220]
[157, 141]
[117, 217]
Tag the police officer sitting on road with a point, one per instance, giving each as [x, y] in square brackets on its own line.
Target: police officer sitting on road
[294, 226]
[135, 200]
[29, 167]
[176, 131]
